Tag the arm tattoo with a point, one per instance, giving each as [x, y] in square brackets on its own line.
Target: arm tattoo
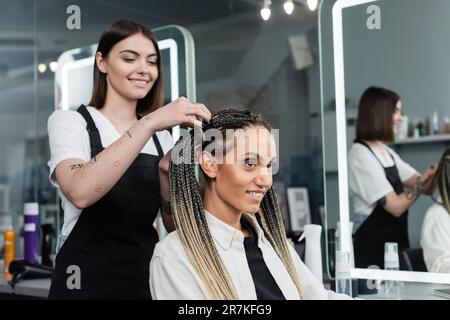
[414, 191]
[165, 205]
[76, 166]
[129, 134]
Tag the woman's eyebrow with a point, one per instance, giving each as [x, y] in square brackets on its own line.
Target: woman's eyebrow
[258, 157]
[136, 53]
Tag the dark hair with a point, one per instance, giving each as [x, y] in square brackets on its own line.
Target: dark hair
[443, 179]
[233, 119]
[113, 34]
[376, 107]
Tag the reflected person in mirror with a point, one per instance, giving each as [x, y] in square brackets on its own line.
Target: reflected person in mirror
[382, 186]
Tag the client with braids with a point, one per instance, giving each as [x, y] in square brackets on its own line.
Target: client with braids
[435, 235]
[231, 245]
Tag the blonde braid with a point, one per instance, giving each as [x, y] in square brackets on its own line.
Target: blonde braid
[190, 221]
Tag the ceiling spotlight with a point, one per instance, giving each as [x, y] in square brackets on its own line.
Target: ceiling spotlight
[53, 66]
[265, 11]
[42, 67]
[312, 4]
[288, 6]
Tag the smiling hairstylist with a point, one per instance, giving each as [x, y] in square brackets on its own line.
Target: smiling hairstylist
[105, 163]
[383, 186]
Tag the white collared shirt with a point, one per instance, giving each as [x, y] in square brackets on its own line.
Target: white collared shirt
[435, 239]
[172, 276]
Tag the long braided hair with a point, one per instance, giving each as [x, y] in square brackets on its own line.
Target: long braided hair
[189, 216]
[443, 179]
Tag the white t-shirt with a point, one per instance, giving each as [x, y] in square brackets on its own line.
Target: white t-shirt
[366, 177]
[435, 239]
[69, 138]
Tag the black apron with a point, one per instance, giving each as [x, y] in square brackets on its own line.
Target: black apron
[381, 226]
[113, 240]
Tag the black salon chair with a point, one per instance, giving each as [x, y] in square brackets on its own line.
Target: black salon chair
[414, 260]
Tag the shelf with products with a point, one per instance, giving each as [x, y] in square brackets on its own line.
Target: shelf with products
[443, 138]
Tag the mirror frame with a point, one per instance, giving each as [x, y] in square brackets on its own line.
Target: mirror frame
[339, 78]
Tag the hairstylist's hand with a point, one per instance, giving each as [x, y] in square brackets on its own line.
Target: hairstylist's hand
[428, 181]
[179, 111]
[429, 173]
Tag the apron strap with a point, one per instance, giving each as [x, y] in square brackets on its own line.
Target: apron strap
[94, 134]
[158, 145]
[370, 149]
[156, 141]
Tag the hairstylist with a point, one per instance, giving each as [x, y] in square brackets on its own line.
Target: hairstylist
[104, 160]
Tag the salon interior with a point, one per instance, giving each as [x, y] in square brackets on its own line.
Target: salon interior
[302, 64]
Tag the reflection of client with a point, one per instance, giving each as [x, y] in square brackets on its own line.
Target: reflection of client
[435, 237]
[382, 185]
[232, 245]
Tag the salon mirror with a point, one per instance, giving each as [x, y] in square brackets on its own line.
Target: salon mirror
[401, 45]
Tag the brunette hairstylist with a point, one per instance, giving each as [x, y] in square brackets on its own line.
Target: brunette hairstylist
[105, 162]
[383, 186]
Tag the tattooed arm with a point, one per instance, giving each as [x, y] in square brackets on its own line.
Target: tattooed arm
[84, 183]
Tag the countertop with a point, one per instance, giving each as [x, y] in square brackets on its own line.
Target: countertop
[38, 288]
[412, 291]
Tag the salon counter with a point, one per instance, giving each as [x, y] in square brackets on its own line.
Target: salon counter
[412, 291]
[36, 288]
[39, 288]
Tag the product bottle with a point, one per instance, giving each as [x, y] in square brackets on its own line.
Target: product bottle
[31, 235]
[446, 125]
[391, 262]
[428, 126]
[313, 251]
[343, 277]
[435, 123]
[9, 251]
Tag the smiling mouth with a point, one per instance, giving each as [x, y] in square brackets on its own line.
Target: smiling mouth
[256, 194]
[139, 82]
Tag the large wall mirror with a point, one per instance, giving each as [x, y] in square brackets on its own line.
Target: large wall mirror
[401, 45]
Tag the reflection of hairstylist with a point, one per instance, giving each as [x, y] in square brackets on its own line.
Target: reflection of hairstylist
[104, 160]
[382, 185]
[435, 235]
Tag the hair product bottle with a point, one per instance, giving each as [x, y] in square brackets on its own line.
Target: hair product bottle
[31, 231]
[9, 251]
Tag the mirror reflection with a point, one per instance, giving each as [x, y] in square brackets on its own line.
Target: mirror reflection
[396, 89]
